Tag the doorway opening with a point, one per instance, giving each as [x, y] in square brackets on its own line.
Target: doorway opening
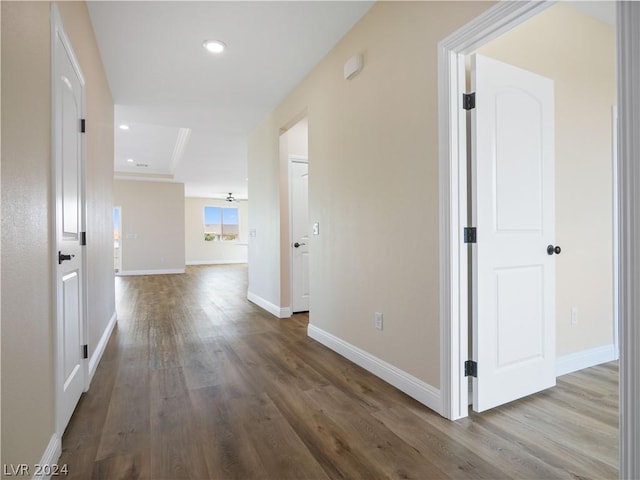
[117, 239]
[581, 313]
[295, 229]
[456, 335]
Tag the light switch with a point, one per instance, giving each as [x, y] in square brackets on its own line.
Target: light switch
[316, 228]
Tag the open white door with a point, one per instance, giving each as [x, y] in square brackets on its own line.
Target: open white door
[513, 210]
[299, 178]
[68, 86]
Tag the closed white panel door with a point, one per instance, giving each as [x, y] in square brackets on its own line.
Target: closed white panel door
[300, 236]
[513, 195]
[69, 191]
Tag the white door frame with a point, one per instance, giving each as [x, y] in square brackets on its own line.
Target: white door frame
[58, 34]
[290, 160]
[616, 229]
[628, 48]
[453, 210]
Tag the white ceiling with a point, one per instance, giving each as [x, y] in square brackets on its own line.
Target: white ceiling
[190, 112]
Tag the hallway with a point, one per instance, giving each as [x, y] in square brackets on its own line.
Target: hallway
[197, 382]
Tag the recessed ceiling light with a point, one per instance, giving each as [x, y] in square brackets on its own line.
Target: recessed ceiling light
[124, 127]
[130, 160]
[214, 46]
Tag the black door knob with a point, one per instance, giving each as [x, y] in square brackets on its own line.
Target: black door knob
[298, 244]
[551, 250]
[62, 257]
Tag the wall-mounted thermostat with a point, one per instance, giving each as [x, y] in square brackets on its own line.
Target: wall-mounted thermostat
[353, 66]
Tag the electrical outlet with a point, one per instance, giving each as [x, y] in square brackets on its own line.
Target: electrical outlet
[574, 315]
[378, 320]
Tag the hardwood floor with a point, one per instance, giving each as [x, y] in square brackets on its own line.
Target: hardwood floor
[197, 382]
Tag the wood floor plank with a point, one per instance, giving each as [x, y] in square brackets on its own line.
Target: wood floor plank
[446, 453]
[395, 457]
[124, 466]
[521, 431]
[281, 451]
[230, 453]
[327, 440]
[199, 383]
[569, 431]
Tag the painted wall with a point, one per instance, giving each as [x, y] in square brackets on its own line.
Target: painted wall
[199, 252]
[28, 416]
[153, 226]
[373, 187]
[27, 379]
[579, 54]
[293, 142]
[264, 215]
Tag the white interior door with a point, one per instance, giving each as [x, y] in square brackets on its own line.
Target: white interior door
[299, 235]
[69, 185]
[513, 209]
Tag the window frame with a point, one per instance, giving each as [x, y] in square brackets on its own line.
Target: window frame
[221, 236]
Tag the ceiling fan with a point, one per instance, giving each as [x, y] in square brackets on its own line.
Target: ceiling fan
[231, 198]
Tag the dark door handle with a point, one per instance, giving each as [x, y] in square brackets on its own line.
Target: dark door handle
[551, 250]
[62, 257]
[298, 244]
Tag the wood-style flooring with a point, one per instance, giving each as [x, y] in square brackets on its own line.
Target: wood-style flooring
[197, 382]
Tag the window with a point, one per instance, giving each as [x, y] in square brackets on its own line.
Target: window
[220, 224]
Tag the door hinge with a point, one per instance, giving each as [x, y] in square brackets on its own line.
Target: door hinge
[83, 238]
[470, 369]
[85, 351]
[470, 235]
[469, 101]
[83, 125]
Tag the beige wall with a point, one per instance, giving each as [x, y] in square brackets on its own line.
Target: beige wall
[578, 53]
[153, 226]
[27, 328]
[373, 145]
[28, 414]
[199, 252]
[264, 213]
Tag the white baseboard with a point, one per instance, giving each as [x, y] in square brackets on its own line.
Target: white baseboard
[412, 386]
[216, 262]
[280, 312]
[585, 359]
[49, 457]
[102, 344]
[170, 271]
